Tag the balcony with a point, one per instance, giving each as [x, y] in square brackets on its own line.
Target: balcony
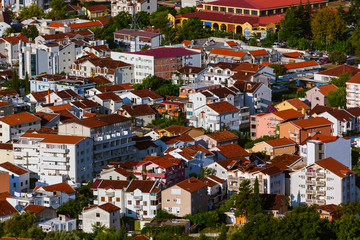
[56, 167]
[233, 188]
[311, 174]
[320, 192]
[138, 198]
[56, 150]
[309, 182]
[110, 194]
[309, 191]
[310, 201]
[321, 202]
[320, 183]
[137, 206]
[322, 175]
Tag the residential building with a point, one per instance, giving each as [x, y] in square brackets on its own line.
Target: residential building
[328, 211]
[6, 210]
[215, 116]
[6, 109]
[300, 69]
[318, 95]
[61, 223]
[13, 126]
[55, 158]
[266, 124]
[10, 47]
[295, 104]
[168, 169]
[274, 204]
[185, 91]
[109, 102]
[41, 213]
[352, 89]
[324, 77]
[85, 106]
[142, 114]
[221, 167]
[226, 55]
[173, 131]
[181, 141]
[145, 147]
[128, 6]
[343, 121]
[117, 72]
[299, 130]
[275, 147]
[322, 146]
[259, 56]
[187, 75]
[161, 62]
[187, 197]
[216, 139]
[291, 57]
[117, 89]
[171, 108]
[143, 96]
[101, 51]
[96, 11]
[217, 190]
[111, 134]
[19, 178]
[324, 182]
[107, 215]
[135, 40]
[6, 153]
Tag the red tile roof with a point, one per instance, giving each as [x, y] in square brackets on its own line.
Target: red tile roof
[280, 142]
[56, 24]
[108, 207]
[35, 209]
[288, 114]
[186, 42]
[334, 166]
[60, 187]
[40, 96]
[190, 70]
[54, 138]
[298, 104]
[85, 104]
[85, 25]
[227, 52]
[336, 71]
[301, 64]
[137, 110]
[109, 96]
[8, 93]
[165, 161]
[13, 168]
[222, 136]
[259, 4]
[340, 115]
[325, 89]
[232, 150]
[6, 209]
[355, 79]
[19, 118]
[97, 8]
[166, 52]
[136, 33]
[4, 195]
[143, 93]
[6, 146]
[61, 107]
[312, 122]
[222, 107]
[323, 138]
[180, 138]
[292, 54]
[259, 52]
[144, 185]
[285, 159]
[177, 130]
[231, 43]
[113, 184]
[101, 121]
[117, 87]
[191, 184]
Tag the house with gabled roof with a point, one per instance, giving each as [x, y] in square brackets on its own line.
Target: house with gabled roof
[220, 168]
[143, 96]
[325, 76]
[19, 177]
[187, 197]
[326, 181]
[299, 130]
[259, 56]
[107, 215]
[216, 139]
[217, 190]
[6, 210]
[117, 89]
[226, 55]
[295, 104]
[187, 75]
[84, 106]
[318, 95]
[275, 147]
[42, 213]
[352, 89]
[109, 102]
[62, 97]
[230, 151]
[306, 68]
[343, 121]
[141, 114]
[180, 141]
[323, 146]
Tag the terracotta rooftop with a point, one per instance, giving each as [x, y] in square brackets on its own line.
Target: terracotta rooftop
[190, 70]
[146, 93]
[226, 52]
[341, 115]
[166, 52]
[61, 187]
[19, 118]
[45, 117]
[136, 33]
[336, 71]
[247, 86]
[191, 184]
[285, 159]
[113, 184]
[223, 107]
[272, 201]
[279, 142]
[6, 209]
[89, 24]
[259, 52]
[354, 111]
[288, 114]
[61, 107]
[6, 146]
[330, 208]
[312, 122]
[298, 104]
[325, 89]
[232, 150]
[8, 93]
[182, 138]
[165, 161]
[137, 110]
[144, 186]
[272, 170]
[35, 209]
[108, 207]
[109, 96]
[334, 166]
[13, 168]
[177, 130]
[85, 104]
[222, 136]
[318, 109]
[301, 65]
[97, 8]
[323, 138]
[54, 138]
[292, 54]
[114, 88]
[101, 121]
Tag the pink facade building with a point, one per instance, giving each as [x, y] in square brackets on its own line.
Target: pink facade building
[265, 124]
[167, 169]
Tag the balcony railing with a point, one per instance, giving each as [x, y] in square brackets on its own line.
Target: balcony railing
[321, 202]
[310, 174]
[308, 191]
[309, 201]
[309, 182]
[320, 175]
[320, 192]
[320, 183]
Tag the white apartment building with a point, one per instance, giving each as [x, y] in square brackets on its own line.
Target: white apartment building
[342, 121]
[46, 57]
[323, 146]
[139, 97]
[148, 6]
[107, 215]
[112, 136]
[13, 126]
[19, 178]
[11, 47]
[55, 158]
[109, 102]
[215, 116]
[135, 40]
[324, 182]
[138, 199]
[188, 75]
[353, 91]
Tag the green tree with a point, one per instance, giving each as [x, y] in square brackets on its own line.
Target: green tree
[161, 214]
[255, 200]
[168, 89]
[30, 32]
[27, 83]
[290, 27]
[337, 98]
[341, 80]
[73, 207]
[85, 190]
[58, 10]
[160, 20]
[123, 20]
[22, 226]
[187, 10]
[15, 81]
[33, 10]
[243, 199]
[253, 40]
[223, 232]
[63, 235]
[327, 26]
[167, 9]
[337, 57]
[269, 40]
[143, 19]
[348, 227]
[279, 70]
[192, 29]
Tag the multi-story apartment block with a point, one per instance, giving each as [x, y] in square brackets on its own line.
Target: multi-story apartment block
[136, 198]
[343, 121]
[109, 102]
[19, 178]
[324, 182]
[216, 139]
[117, 72]
[353, 91]
[187, 197]
[55, 158]
[13, 126]
[137, 39]
[10, 47]
[112, 137]
[324, 146]
[128, 6]
[161, 62]
[266, 124]
[299, 130]
[217, 190]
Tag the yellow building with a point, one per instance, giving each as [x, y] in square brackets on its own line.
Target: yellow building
[275, 147]
[295, 104]
[243, 17]
[96, 11]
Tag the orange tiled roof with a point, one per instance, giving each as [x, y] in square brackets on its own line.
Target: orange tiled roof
[137, 110]
[312, 122]
[144, 185]
[56, 24]
[191, 184]
[355, 79]
[298, 104]
[288, 114]
[222, 136]
[280, 142]
[232, 150]
[13, 168]
[61, 107]
[54, 138]
[293, 54]
[323, 138]
[85, 25]
[35, 209]
[336, 71]
[227, 52]
[259, 52]
[19, 118]
[334, 166]
[325, 89]
[6, 209]
[97, 8]
[186, 42]
[222, 107]
[61, 187]
[301, 64]
[231, 43]
[182, 138]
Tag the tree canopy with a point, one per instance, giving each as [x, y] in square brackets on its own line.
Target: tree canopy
[33, 10]
[192, 29]
[337, 98]
[341, 80]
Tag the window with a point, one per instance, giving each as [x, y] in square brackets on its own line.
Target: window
[97, 214]
[103, 199]
[167, 200]
[129, 211]
[145, 213]
[145, 203]
[230, 10]
[254, 12]
[14, 184]
[129, 202]
[222, 9]
[110, 199]
[21, 184]
[118, 199]
[215, 8]
[12, 176]
[246, 11]
[239, 11]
